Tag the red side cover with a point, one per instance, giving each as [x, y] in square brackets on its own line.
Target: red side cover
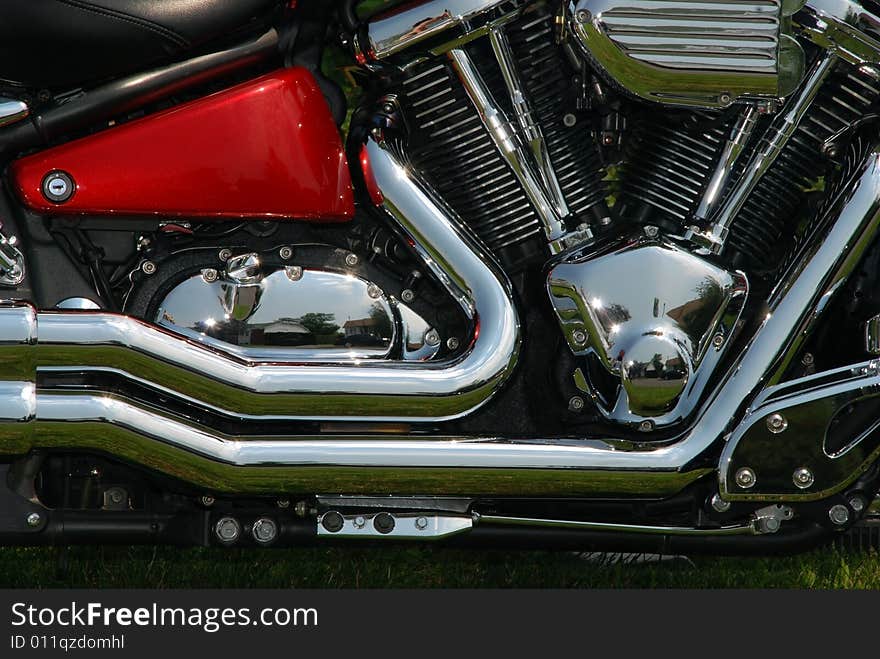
[265, 148]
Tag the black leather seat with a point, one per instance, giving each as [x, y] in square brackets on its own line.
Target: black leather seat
[60, 43]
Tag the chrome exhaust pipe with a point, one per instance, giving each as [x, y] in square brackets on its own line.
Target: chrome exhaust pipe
[433, 465]
[369, 391]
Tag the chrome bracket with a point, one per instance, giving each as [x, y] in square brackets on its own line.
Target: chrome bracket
[12, 270]
[770, 518]
[394, 526]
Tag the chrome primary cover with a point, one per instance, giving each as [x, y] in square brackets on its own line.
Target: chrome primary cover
[294, 313]
[653, 321]
[706, 53]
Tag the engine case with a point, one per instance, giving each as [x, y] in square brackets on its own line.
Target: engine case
[702, 54]
[652, 320]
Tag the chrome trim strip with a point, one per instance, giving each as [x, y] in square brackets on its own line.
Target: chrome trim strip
[641, 529]
[12, 110]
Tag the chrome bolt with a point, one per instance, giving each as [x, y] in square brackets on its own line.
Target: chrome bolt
[407, 295]
[651, 231]
[432, 338]
[285, 503]
[770, 524]
[724, 98]
[293, 272]
[838, 514]
[569, 120]
[225, 254]
[857, 503]
[34, 520]
[776, 423]
[583, 16]
[264, 530]
[210, 275]
[579, 337]
[576, 404]
[808, 359]
[421, 523]
[207, 501]
[116, 495]
[718, 340]
[605, 221]
[374, 291]
[148, 267]
[646, 426]
[359, 522]
[227, 530]
[745, 478]
[452, 343]
[718, 504]
[285, 252]
[351, 260]
[803, 478]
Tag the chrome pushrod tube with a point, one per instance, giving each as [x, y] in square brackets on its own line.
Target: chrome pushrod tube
[424, 391]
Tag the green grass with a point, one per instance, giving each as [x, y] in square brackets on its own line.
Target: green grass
[418, 567]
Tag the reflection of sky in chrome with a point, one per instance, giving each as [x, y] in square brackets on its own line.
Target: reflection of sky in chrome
[196, 303]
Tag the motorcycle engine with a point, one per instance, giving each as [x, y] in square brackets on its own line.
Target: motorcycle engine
[654, 163]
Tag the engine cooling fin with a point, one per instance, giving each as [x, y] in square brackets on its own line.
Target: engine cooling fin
[450, 145]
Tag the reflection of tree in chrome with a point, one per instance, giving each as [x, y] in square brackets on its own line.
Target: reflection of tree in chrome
[381, 321]
[319, 323]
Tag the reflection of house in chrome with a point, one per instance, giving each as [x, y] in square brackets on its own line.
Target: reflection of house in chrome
[281, 332]
[361, 326]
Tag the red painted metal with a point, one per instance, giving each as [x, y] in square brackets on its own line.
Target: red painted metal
[267, 148]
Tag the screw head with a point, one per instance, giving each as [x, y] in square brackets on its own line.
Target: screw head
[808, 359]
[432, 337]
[838, 514]
[646, 426]
[579, 337]
[803, 478]
[148, 267]
[452, 343]
[293, 272]
[421, 523]
[569, 120]
[34, 520]
[718, 504]
[407, 295]
[285, 253]
[651, 231]
[745, 478]
[776, 423]
[359, 522]
[225, 254]
[583, 16]
[283, 503]
[351, 260]
[857, 503]
[374, 291]
[210, 275]
[576, 404]
[264, 530]
[227, 530]
[718, 340]
[724, 98]
[207, 501]
[116, 495]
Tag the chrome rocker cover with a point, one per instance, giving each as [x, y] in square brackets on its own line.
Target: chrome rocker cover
[653, 322]
[670, 52]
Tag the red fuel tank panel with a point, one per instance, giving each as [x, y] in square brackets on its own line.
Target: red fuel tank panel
[265, 148]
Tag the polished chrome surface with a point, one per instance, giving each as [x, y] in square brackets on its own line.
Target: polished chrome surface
[12, 110]
[529, 127]
[872, 335]
[733, 149]
[809, 467]
[236, 380]
[705, 54]
[267, 316]
[653, 316]
[80, 303]
[407, 526]
[402, 28]
[844, 27]
[779, 132]
[12, 268]
[513, 151]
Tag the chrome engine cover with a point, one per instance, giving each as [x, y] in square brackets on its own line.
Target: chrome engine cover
[294, 314]
[653, 321]
[702, 54]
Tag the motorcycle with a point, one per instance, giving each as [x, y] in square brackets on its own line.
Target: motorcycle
[597, 274]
